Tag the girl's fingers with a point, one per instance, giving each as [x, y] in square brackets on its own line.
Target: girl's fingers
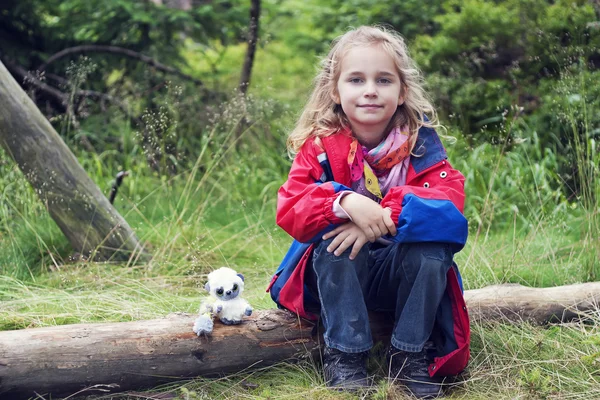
[387, 220]
[369, 234]
[385, 229]
[378, 231]
[336, 242]
[358, 244]
[345, 236]
[391, 228]
[348, 241]
[332, 233]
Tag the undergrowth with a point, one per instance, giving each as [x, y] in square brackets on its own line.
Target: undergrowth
[217, 209]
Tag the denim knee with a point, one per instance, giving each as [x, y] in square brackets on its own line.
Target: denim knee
[322, 257]
[425, 267]
[435, 257]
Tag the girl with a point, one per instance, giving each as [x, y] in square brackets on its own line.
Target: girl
[376, 211]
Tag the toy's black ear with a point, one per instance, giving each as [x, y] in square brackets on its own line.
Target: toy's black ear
[241, 277]
[207, 287]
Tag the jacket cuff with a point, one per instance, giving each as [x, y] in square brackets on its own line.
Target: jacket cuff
[328, 211]
[338, 210]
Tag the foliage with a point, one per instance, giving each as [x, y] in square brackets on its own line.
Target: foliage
[32, 31]
[410, 18]
[515, 82]
[37, 29]
[508, 46]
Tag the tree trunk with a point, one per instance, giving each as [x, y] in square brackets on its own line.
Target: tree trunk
[252, 39]
[133, 355]
[88, 220]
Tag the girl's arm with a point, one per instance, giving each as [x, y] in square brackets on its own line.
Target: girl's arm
[304, 204]
[429, 207]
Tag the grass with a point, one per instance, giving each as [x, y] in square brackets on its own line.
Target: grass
[190, 235]
[218, 210]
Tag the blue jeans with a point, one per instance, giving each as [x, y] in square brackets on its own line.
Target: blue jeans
[407, 279]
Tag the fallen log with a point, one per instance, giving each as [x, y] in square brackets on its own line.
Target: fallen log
[514, 302]
[63, 360]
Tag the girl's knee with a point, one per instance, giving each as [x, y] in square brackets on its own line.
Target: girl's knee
[435, 257]
[436, 251]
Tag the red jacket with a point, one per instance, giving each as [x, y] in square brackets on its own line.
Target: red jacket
[427, 208]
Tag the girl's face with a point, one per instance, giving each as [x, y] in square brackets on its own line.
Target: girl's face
[369, 92]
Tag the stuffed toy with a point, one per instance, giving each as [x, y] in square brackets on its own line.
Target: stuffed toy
[225, 287]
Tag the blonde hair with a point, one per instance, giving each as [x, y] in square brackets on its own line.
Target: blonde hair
[322, 117]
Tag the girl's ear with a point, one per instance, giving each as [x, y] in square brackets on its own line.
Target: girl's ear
[335, 97]
[403, 93]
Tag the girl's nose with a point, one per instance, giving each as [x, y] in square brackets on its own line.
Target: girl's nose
[370, 89]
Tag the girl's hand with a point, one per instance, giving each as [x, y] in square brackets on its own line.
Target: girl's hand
[374, 220]
[346, 235]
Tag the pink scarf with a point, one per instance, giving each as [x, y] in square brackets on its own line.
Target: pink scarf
[375, 171]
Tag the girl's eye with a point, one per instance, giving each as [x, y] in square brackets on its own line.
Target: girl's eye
[355, 80]
[235, 287]
[385, 81]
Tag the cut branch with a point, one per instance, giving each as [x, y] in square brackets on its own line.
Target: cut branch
[134, 355]
[121, 51]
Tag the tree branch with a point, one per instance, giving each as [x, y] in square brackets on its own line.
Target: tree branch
[117, 50]
[60, 97]
[25, 76]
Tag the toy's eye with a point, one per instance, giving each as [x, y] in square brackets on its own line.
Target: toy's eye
[220, 291]
[235, 286]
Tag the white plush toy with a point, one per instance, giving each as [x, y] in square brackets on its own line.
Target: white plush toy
[225, 287]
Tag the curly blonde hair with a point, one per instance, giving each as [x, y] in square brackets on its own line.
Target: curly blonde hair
[322, 117]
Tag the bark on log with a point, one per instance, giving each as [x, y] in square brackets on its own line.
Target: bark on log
[65, 359]
[92, 225]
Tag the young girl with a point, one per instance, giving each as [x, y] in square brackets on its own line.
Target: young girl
[376, 211]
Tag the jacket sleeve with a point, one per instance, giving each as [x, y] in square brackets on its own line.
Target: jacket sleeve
[430, 207]
[304, 203]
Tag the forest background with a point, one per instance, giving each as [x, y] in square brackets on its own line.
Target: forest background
[514, 82]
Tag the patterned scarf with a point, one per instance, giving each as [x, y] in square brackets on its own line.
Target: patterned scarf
[387, 162]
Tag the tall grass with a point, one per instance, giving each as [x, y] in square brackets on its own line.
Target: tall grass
[216, 207]
[586, 151]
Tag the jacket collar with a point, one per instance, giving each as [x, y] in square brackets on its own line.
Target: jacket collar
[337, 147]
